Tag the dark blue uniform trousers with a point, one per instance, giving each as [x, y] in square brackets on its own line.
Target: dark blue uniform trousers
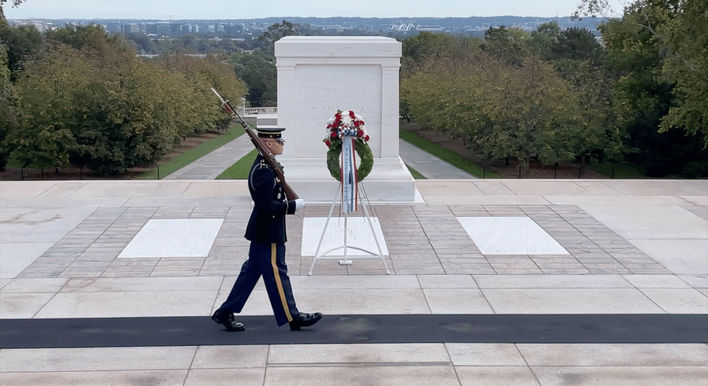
[267, 260]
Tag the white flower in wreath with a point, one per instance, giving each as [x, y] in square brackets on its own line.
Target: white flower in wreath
[347, 123]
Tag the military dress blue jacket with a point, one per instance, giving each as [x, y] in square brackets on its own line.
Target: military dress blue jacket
[267, 222]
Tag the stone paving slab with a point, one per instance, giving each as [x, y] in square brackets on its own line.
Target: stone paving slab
[351, 294]
[456, 364]
[91, 378]
[420, 239]
[635, 246]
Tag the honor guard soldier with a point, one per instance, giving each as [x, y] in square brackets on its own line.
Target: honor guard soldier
[266, 257]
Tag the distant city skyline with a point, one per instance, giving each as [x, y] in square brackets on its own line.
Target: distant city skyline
[210, 9]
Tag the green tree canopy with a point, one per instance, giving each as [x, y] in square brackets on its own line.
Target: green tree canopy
[526, 110]
[685, 39]
[258, 70]
[278, 31]
[647, 88]
[2, 3]
[674, 35]
[89, 100]
[22, 43]
[508, 44]
[7, 104]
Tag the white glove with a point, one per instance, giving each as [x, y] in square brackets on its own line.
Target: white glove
[299, 205]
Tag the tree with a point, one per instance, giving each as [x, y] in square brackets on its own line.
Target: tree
[638, 52]
[90, 37]
[686, 66]
[91, 101]
[46, 111]
[545, 39]
[15, 3]
[427, 45]
[143, 43]
[8, 101]
[257, 69]
[22, 43]
[509, 45]
[593, 8]
[500, 110]
[580, 60]
[201, 74]
[531, 113]
[276, 32]
[679, 30]
[578, 44]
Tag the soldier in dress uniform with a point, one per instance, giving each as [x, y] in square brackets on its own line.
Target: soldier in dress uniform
[266, 257]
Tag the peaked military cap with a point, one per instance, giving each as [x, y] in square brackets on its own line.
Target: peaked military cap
[269, 132]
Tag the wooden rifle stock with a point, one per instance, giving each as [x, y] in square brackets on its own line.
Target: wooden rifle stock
[268, 157]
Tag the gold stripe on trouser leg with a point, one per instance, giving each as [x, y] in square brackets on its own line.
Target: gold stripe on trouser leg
[278, 283]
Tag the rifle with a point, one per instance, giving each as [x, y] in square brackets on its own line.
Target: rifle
[269, 158]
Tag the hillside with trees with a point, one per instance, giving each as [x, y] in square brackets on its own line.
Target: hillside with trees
[560, 96]
[636, 95]
[78, 97]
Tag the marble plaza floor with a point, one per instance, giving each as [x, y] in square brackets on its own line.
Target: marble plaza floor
[170, 250]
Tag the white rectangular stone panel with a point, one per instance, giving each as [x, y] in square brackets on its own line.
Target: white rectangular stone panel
[510, 236]
[359, 235]
[173, 238]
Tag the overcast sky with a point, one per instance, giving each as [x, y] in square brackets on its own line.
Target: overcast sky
[235, 9]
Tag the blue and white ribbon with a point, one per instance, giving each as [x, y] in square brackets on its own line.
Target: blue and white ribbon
[348, 174]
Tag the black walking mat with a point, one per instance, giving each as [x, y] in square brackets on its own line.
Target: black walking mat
[345, 329]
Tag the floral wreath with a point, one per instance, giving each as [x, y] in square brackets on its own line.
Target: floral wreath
[347, 123]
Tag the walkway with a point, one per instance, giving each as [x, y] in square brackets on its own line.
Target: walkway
[429, 165]
[462, 312]
[211, 165]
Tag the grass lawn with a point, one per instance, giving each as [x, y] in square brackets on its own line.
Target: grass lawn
[416, 174]
[621, 169]
[194, 154]
[239, 170]
[446, 155]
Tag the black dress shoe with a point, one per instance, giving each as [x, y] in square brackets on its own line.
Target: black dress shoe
[227, 320]
[304, 320]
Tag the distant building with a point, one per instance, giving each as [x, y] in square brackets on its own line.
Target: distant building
[151, 29]
[430, 29]
[131, 28]
[114, 28]
[248, 28]
[175, 29]
[163, 29]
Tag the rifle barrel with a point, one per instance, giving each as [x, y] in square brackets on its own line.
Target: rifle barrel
[270, 160]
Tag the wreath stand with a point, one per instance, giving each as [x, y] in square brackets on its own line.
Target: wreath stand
[346, 261]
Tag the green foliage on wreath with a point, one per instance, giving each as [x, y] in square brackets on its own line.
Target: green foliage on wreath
[362, 149]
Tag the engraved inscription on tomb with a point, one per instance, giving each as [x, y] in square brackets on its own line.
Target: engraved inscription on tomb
[322, 89]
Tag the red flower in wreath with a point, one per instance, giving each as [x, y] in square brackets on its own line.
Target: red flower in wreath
[346, 123]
